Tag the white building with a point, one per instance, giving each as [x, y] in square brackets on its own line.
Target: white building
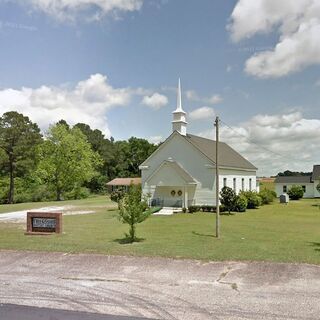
[308, 183]
[181, 172]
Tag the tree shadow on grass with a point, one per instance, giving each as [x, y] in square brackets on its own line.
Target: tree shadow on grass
[203, 235]
[316, 245]
[127, 240]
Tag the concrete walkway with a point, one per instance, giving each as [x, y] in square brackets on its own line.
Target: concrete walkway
[159, 288]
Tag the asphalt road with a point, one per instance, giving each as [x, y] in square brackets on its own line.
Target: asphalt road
[156, 288]
[16, 312]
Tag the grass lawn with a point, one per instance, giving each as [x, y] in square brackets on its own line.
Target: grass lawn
[272, 233]
[92, 201]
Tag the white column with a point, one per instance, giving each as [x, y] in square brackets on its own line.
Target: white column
[185, 189]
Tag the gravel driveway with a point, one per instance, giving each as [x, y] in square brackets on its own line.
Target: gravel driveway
[160, 288]
[21, 216]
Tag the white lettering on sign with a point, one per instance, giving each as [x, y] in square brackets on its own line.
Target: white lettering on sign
[44, 223]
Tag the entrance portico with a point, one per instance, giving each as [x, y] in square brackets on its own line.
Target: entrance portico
[171, 186]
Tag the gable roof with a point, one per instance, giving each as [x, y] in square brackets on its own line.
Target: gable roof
[316, 172]
[293, 179]
[228, 157]
[173, 164]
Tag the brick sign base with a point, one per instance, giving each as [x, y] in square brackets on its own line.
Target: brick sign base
[44, 223]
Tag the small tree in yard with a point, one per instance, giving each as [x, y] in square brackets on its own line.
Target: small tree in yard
[228, 198]
[295, 192]
[133, 210]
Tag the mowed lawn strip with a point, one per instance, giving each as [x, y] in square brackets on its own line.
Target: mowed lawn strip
[91, 201]
[283, 233]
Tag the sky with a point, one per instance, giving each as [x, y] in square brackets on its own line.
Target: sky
[115, 64]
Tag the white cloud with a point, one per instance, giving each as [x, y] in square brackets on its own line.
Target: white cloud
[293, 142]
[155, 101]
[87, 102]
[194, 96]
[93, 9]
[215, 99]
[229, 68]
[203, 113]
[297, 22]
[155, 139]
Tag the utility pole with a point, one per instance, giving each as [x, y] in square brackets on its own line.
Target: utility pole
[217, 179]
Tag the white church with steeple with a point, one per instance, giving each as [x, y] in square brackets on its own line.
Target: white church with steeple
[181, 172]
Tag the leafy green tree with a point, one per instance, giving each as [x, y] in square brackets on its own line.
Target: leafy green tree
[18, 140]
[228, 198]
[66, 160]
[133, 210]
[106, 149]
[295, 192]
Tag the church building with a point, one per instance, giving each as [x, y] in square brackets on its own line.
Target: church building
[181, 172]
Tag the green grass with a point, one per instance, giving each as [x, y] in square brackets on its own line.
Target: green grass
[272, 233]
[91, 201]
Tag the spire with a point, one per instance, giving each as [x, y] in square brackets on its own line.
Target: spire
[179, 122]
[179, 100]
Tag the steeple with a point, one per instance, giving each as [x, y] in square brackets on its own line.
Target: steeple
[179, 122]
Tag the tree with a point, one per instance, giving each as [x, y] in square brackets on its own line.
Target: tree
[133, 210]
[318, 187]
[66, 160]
[18, 139]
[295, 192]
[289, 173]
[228, 198]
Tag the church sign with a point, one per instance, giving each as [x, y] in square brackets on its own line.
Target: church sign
[44, 222]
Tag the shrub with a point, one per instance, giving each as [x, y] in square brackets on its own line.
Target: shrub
[295, 192]
[254, 200]
[77, 193]
[207, 208]
[228, 198]
[267, 196]
[117, 195]
[193, 209]
[241, 203]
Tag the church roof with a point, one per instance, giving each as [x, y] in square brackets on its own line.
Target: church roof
[293, 179]
[227, 156]
[316, 172]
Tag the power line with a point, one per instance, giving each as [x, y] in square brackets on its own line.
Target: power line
[258, 145]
